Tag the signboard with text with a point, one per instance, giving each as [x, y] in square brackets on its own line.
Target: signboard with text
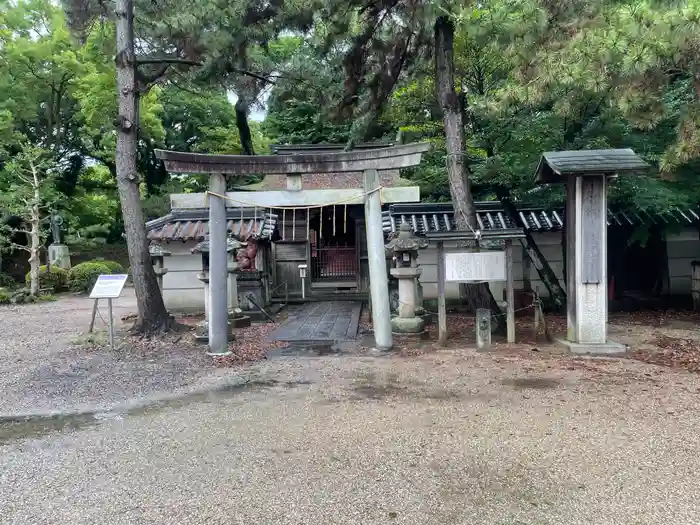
[108, 286]
[466, 267]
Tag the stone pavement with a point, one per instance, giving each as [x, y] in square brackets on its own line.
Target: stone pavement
[323, 322]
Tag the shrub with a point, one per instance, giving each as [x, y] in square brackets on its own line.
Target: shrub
[4, 296]
[7, 281]
[54, 280]
[82, 277]
[114, 266]
[21, 296]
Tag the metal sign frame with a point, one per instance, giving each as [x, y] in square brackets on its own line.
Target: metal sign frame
[107, 286]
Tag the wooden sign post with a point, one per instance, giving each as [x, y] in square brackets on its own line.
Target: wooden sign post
[475, 267]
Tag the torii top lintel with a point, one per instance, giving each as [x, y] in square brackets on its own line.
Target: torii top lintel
[380, 159]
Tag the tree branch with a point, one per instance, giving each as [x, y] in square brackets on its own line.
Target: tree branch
[167, 60]
[16, 246]
[164, 62]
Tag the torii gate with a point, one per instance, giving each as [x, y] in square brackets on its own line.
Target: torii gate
[369, 162]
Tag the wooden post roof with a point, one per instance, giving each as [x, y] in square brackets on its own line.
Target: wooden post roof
[380, 159]
[556, 166]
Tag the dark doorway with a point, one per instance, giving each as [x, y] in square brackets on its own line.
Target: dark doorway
[636, 263]
[334, 260]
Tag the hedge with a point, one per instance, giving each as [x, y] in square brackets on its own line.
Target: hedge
[114, 266]
[6, 281]
[55, 280]
[82, 277]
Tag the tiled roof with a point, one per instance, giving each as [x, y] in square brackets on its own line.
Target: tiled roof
[193, 225]
[427, 217]
[430, 217]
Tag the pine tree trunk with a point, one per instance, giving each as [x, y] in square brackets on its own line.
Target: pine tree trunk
[152, 315]
[242, 108]
[34, 236]
[544, 270]
[477, 295]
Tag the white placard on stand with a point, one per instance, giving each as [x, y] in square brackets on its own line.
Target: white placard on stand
[107, 287]
[465, 267]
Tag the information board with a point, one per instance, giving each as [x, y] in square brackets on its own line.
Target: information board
[465, 267]
[108, 286]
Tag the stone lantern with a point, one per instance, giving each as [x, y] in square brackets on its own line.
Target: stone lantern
[235, 314]
[404, 251]
[158, 253]
[202, 248]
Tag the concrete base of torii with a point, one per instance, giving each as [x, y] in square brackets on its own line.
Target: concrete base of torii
[586, 252]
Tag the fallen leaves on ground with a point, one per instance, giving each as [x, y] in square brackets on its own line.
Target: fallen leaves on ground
[656, 318]
[672, 352]
[250, 344]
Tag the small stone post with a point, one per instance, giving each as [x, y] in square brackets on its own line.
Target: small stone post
[158, 254]
[483, 328]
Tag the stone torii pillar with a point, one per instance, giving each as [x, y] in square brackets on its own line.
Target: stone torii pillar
[586, 174]
[369, 162]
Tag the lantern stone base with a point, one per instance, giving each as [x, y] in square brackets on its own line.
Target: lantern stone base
[607, 348]
[427, 317]
[250, 285]
[201, 332]
[407, 325]
[238, 321]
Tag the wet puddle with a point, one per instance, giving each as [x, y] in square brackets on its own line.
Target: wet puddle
[33, 427]
[17, 428]
[320, 349]
[537, 383]
[305, 350]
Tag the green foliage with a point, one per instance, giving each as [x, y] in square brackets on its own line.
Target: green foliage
[22, 296]
[56, 279]
[302, 108]
[531, 76]
[5, 296]
[7, 282]
[82, 277]
[114, 266]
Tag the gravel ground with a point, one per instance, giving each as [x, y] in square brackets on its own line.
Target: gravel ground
[455, 437]
[43, 369]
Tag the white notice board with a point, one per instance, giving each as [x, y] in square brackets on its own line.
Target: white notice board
[108, 286]
[465, 267]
